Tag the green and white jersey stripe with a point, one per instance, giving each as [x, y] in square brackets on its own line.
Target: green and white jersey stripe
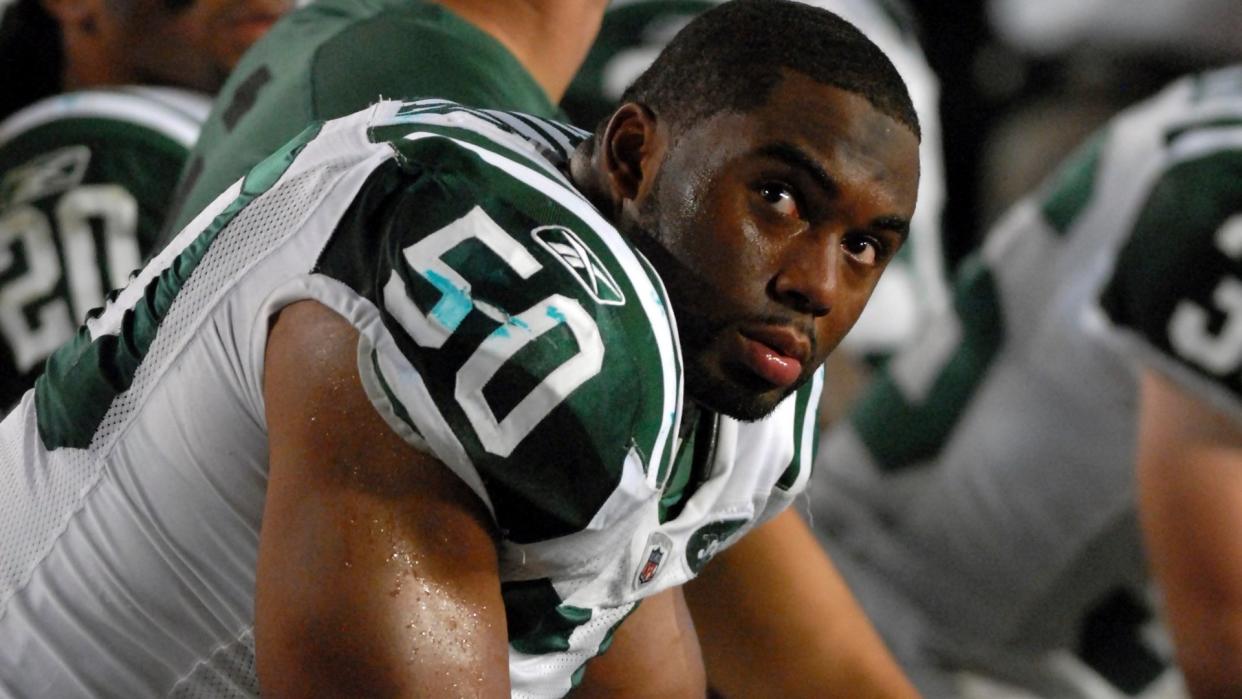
[173, 113]
[85, 182]
[506, 328]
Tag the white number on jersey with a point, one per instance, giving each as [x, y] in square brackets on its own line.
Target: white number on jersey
[1219, 352]
[30, 228]
[499, 437]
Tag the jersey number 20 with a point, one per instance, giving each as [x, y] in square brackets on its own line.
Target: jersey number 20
[32, 337]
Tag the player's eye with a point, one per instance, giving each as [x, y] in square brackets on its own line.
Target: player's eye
[780, 197]
[867, 249]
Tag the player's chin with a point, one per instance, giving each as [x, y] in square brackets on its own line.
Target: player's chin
[736, 392]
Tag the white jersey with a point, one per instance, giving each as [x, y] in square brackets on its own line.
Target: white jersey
[500, 318]
[985, 481]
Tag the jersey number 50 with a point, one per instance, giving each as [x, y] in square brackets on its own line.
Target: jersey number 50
[432, 329]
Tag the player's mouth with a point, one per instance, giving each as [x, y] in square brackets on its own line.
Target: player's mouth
[775, 353]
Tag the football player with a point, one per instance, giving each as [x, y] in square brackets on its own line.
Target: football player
[86, 177]
[981, 499]
[335, 57]
[435, 396]
[54, 46]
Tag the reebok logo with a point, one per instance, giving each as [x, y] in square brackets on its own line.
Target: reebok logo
[569, 249]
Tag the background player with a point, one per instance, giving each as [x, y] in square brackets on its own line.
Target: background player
[338, 56]
[453, 395]
[981, 499]
[86, 177]
[53, 46]
[1176, 305]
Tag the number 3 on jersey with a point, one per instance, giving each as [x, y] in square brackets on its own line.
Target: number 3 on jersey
[31, 334]
[432, 329]
[1220, 352]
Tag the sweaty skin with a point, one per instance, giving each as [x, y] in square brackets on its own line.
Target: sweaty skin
[773, 234]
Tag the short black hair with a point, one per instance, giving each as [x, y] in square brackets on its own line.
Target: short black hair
[732, 56]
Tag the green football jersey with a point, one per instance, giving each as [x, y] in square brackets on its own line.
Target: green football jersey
[85, 182]
[334, 57]
[505, 327]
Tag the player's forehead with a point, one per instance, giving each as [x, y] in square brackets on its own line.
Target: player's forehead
[826, 126]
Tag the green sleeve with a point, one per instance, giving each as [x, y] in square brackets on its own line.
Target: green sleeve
[1176, 288]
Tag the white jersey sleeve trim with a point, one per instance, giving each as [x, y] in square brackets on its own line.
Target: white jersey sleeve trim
[140, 109]
[438, 439]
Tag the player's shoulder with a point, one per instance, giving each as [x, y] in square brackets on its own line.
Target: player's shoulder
[527, 343]
[1175, 291]
[500, 180]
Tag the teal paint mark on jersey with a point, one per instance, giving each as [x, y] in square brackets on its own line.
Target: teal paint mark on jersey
[573, 456]
[454, 305]
[1073, 184]
[84, 376]
[901, 433]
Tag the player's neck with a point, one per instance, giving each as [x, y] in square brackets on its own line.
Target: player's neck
[549, 37]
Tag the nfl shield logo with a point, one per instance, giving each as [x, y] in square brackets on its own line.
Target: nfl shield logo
[654, 554]
[653, 563]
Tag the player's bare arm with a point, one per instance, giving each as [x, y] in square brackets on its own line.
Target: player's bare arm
[377, 569]
[777, 620]
[1190, 496]
[654, 654]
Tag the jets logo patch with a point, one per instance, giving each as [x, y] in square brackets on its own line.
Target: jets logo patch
[569, 249]
[654, 555]
[708, 540]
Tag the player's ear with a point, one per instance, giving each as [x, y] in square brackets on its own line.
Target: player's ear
[631, 150]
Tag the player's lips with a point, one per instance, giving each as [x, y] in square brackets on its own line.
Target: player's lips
[775, 353]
